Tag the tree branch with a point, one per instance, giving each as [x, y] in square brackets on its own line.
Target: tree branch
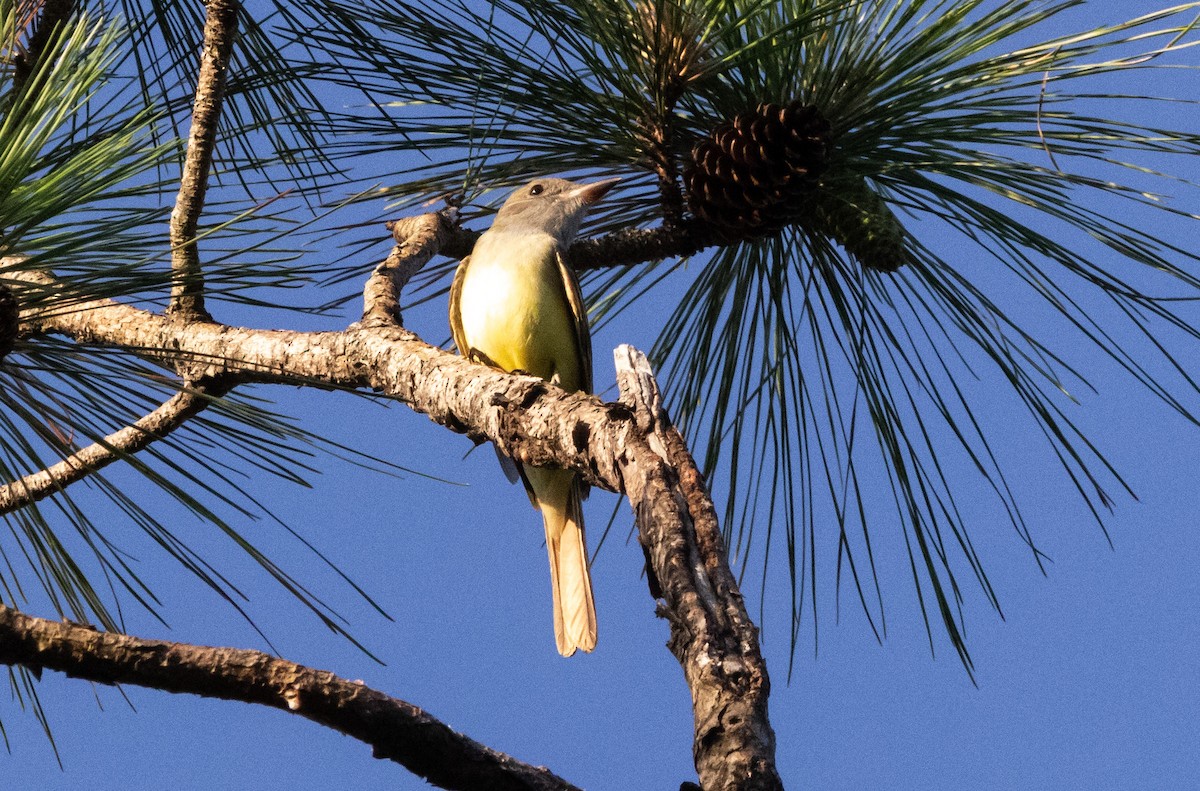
[417, 240]
[712, 635]
[51, 15]
[638, 245]
[395, 730]
[533, 420]
[620, 248]
[180, 408]
[624, 447]
[220, 27]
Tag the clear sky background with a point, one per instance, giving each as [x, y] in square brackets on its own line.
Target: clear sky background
[1092, 680]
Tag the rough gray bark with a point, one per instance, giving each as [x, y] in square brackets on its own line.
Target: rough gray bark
[418, 239]
[712, 635]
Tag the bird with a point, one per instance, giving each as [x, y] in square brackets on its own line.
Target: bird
[515, 304]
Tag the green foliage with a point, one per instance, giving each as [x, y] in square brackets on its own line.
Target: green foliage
[71, 156]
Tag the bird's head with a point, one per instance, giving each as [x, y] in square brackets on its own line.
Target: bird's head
[553, 206]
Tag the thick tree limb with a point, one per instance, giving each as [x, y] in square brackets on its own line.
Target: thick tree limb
[220, 28]
[395, 730]
[180, 408]
[712, 635]
[530, 419]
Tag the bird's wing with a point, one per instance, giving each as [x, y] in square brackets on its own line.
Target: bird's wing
[583, 338]
[456, 327]
[583, 333]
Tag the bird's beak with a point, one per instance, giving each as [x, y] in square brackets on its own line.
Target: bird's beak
[588, 194]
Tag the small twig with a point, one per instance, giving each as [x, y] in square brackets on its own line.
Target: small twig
[395, 730]
[220, 28]
[638, 245]
[417, 240]
[180, 408]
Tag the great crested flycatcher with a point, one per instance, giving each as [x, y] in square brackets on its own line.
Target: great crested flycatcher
[515, 304]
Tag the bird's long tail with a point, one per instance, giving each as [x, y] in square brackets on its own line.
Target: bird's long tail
[574, 606]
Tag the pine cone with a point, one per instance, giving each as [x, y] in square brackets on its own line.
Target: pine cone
[9, 315]
[857, 218]
[767, 169]
[748, 176]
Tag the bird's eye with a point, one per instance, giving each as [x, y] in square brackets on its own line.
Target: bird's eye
[536, 189]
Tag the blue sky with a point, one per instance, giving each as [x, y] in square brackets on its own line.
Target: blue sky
[1092, 680]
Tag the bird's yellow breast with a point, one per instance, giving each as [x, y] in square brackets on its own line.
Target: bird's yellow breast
[514, 308]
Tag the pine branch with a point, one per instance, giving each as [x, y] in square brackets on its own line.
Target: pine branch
[417, 240]
[529, 418]
[621, 248]
[639, 245]
[180, 408]
[395, 730]
[220, 28]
